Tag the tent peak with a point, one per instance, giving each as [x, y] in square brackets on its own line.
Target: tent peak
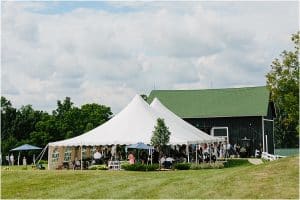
[156, 101]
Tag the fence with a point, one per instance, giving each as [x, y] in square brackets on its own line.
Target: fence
[287, 152]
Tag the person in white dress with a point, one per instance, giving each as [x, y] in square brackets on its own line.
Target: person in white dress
[12, 159]
[97, 157]
[24, 161]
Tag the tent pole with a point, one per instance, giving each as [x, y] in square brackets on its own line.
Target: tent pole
[40, 153]
[81, 157]
[48, 158]
[196, 154]
[43, 151]
[19, 158]
[187, 150]
[148, 156]
[151, 155]
[210, 153]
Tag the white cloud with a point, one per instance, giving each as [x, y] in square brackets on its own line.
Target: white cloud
[106, 57]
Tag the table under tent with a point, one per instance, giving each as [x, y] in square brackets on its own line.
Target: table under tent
[134, 124]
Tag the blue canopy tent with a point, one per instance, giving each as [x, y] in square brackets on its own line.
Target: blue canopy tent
[141, 145]
[25, 147]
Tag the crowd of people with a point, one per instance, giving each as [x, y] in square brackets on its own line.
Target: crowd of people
[197, 153]
[10, 160]
[207, 152]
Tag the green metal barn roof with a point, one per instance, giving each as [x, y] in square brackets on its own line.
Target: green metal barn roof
[229, 102]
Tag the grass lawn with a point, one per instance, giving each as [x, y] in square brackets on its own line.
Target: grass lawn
[277, 179]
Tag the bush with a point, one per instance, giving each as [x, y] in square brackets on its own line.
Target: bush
[152, 167]
[236, 163]
[139, 167]
[182, 166]
[98, 167]
[216, 165]
[102, 168]
[92, 167]
[43, 162]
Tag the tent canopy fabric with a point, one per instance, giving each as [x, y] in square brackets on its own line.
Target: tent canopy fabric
[26, 147]
[139, 145]
[135, 123]
[171, 118]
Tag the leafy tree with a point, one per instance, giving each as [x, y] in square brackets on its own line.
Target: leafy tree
[26, 125]
[25, 121]
[88, 127]
[64, 107]
[283, 82]
[161, 135]
[95, 114]
[45, 130]
[66, 116]
[8, 116]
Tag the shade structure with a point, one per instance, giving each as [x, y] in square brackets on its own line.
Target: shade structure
[139, 145]
[134, 124]
[174, 121]
[26, 147]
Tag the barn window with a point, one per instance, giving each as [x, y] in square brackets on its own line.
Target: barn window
[221, 132]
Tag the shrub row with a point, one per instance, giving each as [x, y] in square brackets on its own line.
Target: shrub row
[236, 163]
[98, 167]
[216, 165]
[178, 166]
[139, 167]
[182, 166]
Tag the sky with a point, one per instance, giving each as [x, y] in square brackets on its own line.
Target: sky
[106, 52]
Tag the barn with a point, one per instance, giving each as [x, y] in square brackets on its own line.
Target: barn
[242, 116]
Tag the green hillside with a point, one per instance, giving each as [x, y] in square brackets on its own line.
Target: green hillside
[277, 179]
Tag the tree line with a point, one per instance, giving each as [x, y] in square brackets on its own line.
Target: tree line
[27, 125]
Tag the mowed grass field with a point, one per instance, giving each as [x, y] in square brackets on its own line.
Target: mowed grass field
[277, 179]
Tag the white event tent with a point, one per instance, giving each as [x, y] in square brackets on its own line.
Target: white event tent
[173, 121]
[135, 123]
